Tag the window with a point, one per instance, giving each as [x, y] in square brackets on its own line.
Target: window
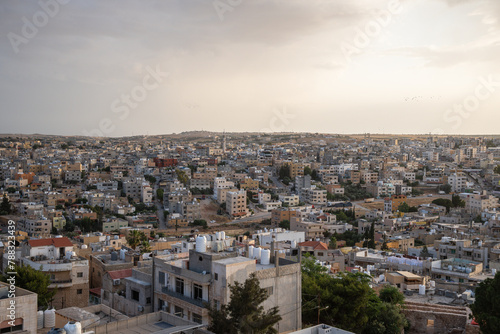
[320, 253]
[197, 318]
[135, 295]
[216, 276]
[161, 278]
[430, 323]
[197, 292]
[148, 300]
[52, 276]
[105, 295]
[179, 311]
[269, 291]
[79, 291]
[179, 285]
[11, 329]
[79, 274]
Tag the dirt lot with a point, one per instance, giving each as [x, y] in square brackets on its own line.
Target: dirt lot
[411, 202]
[209, 212]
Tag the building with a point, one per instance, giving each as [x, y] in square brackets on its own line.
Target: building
[221, 183]
[457, 181]
[281, 214]
[69, 273]
[236, 203]
[182, 286]
[392, 204]
[24, 319]
[290, 200]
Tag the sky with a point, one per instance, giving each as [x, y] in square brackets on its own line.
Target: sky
[121, 67]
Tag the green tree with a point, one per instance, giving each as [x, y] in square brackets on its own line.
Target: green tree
[244, 313]
[5, 207]
[391, 294]
[35, 281]
[284, 171]
[443, 202]
[371, 235]
[497, 169]
[159, 194]
[285, 224]
[333, 243]
[486, 308]
[457, 202]
[144, 247]
[446, 188]
[135, 238]
[424, 253]
[404, 207]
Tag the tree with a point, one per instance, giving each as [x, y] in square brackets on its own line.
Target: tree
[371, 235]
[424, 253]
[135, 238]
[35, 281]
[497, 169]
[159, 194]
[285, 224]
[333, 243]
[457, 202]
[145, 247]
[244, 313]
[5, 207]
[404, 207]
[486, 308]
[443, 202]
[445, 187]
[391, 294]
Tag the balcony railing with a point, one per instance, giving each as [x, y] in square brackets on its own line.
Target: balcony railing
[197, 302]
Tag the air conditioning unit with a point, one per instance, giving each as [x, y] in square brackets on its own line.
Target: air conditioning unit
[140, 308]
[116, 281]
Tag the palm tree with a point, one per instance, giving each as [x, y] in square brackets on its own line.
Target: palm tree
[145, 247]
[135, 238]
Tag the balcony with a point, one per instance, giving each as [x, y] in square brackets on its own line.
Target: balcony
[197, 302]
[66, 283]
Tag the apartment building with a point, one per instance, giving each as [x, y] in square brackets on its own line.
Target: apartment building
[172, 199]
[184, 285]
[249, 184]
[25, 303]
[278, 215]
[36, 228]
[477, 203]
[221, 183]
[69, 273]
[314, 196]
[449, 248]
[236, 203]
[290, 200]
[457, 181]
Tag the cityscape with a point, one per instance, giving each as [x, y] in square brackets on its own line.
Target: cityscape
[250, 167]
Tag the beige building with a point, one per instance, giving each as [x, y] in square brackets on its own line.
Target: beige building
[23, 319]
[69, 273]
[236, 203]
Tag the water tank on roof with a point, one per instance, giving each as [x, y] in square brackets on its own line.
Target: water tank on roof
[480, 243]
[49, 318]
[116, 237]
[108, 238]
[265, 256]
[68, 255]
[122, 254]
[201, 244]
[294, 244]
[494, 271]
[250, 252]
[39, 320]
[223, 235]
[421, 289]
[114, 256]
[73, 327]
[257, 253]
[84, 246]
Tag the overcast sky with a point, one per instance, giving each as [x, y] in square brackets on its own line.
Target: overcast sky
[154, 67]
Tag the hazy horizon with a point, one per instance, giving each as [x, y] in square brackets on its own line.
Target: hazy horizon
[124, 68]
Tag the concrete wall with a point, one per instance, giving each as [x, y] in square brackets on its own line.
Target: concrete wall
[432, 318]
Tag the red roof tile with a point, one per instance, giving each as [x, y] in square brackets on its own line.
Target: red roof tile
[314, 244]
[117, 274]
[57, 242]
